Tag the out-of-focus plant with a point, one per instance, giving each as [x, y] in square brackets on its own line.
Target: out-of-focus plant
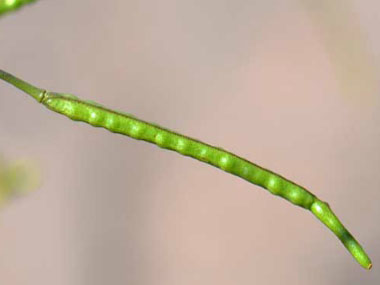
[16, 179]
[11, 5]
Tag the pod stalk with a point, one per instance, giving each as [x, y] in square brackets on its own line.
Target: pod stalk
[28, 88]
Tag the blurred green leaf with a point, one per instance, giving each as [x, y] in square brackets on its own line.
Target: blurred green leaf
[11, 5]
[16, 179]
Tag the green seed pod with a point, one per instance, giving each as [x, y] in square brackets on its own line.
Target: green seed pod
[125, 124]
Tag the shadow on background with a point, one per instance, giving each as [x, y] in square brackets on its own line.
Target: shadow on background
[348, 47]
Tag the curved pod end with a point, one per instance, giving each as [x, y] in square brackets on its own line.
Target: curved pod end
[323, 212]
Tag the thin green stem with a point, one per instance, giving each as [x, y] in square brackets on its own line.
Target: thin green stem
[118, 122]
[33, 91]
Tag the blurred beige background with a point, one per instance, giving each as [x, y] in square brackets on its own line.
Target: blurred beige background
[290, 85]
